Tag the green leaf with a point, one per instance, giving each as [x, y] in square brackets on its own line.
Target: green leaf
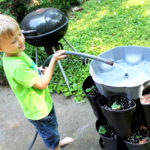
[115, 106]
[137, 137]
[67, 94]
[2, 1]
[102, 130]
[78, 98]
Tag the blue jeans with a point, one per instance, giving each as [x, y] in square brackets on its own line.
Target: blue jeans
[47, 128]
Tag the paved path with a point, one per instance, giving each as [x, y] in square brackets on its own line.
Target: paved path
[75, 120]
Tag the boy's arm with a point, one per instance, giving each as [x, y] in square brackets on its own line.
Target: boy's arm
[43, 81]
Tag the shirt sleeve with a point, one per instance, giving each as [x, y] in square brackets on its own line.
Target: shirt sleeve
[25, 76]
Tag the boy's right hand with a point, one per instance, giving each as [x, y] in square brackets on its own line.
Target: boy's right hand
[58, 55]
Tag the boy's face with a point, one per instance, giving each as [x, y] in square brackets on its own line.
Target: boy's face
[12, 46]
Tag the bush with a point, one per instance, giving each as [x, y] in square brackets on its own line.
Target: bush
[19, 8]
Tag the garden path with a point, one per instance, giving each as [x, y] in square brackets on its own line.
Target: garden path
[75, 120]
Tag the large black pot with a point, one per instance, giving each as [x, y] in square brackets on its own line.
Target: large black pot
[45, 26]
[120, 120]
[109, 142]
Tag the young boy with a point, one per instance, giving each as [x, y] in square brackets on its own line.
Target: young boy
[30, 89]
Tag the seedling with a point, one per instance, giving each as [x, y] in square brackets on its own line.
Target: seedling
[115, 106]
[137, 137]
[89, 89]
[102, 130]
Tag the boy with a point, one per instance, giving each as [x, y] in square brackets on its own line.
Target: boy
[30, 89]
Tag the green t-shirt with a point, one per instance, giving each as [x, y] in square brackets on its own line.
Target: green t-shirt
[21, 73]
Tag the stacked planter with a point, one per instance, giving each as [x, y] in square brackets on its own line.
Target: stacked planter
[120, 121]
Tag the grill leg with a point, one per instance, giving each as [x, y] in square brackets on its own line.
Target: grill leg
[62, 70]
[36, 55]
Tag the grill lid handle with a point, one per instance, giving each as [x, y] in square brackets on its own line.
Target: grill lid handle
[28, 31]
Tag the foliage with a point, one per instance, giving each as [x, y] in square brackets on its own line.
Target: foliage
[19, 8]
[16, 8]
[75, 73]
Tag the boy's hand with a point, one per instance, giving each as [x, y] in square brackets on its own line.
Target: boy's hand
[43, 70]
[43, 81]
[58, 55]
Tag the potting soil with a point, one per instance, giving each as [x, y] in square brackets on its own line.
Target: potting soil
[139, 135]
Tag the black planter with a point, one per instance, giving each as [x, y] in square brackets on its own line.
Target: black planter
[120, 120]
[102, 144]
[133, 146]
[108, 143]
[88, 83]
[146, 108]
[138, 118]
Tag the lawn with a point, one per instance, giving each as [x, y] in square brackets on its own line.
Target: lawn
[100, 26]
[103, 25]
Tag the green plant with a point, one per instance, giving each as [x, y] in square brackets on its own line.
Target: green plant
[137, 137]
[63, 5]
[115, 106]
[89, 89]
[102, 130]
[2, 1]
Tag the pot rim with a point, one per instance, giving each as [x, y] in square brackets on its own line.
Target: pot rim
[135, 143]
[108, 138]
[53, 31]
[145, 104]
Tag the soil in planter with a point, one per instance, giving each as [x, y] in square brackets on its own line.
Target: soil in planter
[118, 103]
[107, 131]
[139, 135]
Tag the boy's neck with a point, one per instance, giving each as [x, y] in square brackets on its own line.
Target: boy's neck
[12, 55]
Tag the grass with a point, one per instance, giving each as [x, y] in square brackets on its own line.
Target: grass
[99, 27]
[102, 26]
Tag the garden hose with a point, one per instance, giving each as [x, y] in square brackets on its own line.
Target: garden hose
[33, 141]
[109, 62]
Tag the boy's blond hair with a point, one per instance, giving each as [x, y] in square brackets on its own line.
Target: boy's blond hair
[8, 26]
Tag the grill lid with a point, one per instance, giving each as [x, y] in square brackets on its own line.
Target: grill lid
[42, 22]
